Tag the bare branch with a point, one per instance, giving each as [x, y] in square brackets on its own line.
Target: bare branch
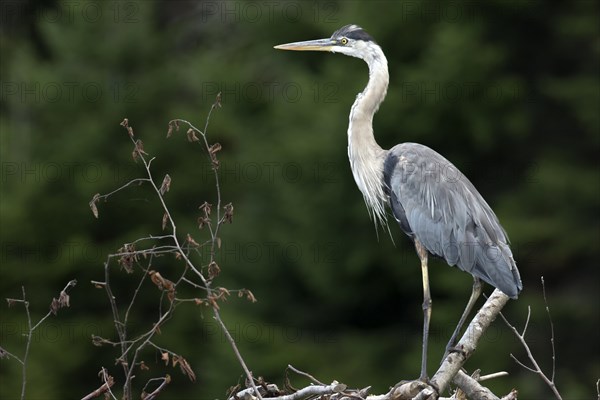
[309, 391]
[307, 375]
[492, 376]
[454, 361]
[27, 345]
[105, 387]
[535, 366]
[97, 197]
[237, 352]
[468, 343]
[551, 331]
[55, 305]
[526, 321]
[472, 388]
[120, 328]
[129, 257]
[7, 354]
[521, 364]
[164, 382]
[137, 290]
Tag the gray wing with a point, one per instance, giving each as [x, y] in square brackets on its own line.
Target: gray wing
[436, 204]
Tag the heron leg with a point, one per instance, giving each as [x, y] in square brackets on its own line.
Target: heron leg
[422, 252]
[475, 293]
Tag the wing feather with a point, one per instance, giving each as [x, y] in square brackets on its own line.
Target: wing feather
[436, 204]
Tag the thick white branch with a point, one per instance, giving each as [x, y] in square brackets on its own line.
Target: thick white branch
[468, 343]
[472, 388]
[312, 390]
[453, 363]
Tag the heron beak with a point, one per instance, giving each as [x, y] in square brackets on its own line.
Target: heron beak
[309, 45]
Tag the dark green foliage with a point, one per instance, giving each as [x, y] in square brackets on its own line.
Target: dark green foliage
[506, 90]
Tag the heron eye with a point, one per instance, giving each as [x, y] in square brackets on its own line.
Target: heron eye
[344, 40]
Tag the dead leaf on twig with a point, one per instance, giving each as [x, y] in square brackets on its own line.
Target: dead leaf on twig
[199, 302]
[61, 302]
[125, 124]
[191, 135]
[172, 125]
[222, 294]
[213, 270]
[163, 284]
[191, 241]
[206, 207]
[166, 184]
[186, 368]
[249, 295]
[212, 151]
[165, 219]
[228, 217]
[138, 150]
[93, 204]
[128, 258]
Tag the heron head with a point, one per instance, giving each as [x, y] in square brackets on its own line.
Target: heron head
[350, 40]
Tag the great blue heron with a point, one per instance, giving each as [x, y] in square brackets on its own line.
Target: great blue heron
[434, 203]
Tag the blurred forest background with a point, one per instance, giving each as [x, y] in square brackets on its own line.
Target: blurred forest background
[507, 90]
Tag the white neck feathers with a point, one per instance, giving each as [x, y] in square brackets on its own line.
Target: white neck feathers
[366, 157]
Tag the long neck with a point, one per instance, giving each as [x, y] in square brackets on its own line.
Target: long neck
[366, 157]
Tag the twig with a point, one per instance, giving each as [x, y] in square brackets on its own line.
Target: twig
[237, 352]
[307, 375]
[120, 328]
[105, 387]
[492, 376]
[131, 182]
[27, 345]
[551, 330]
[55, 305]
[137, 290]
[146, 340]
[214, 234]
[165, 381]
[8, 354]
[521, 336]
